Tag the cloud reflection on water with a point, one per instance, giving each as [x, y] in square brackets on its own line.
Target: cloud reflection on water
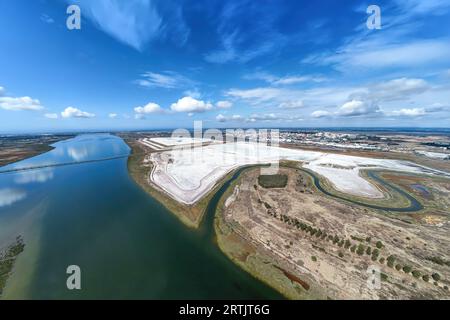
[8, 196]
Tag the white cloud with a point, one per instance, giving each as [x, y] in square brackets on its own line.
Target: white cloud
[148, 108]
[270, 117]
[320, 114]
[20, 104]
[358, 108]
[414, 112]
[189, 104]
[295, 104]
[235, 117]
[257, 95]
[51, 115]
[398, 89]
[221, 118]
[112, 115]
[134, 23]
[224, 104]
[71, 112]
[153, 79]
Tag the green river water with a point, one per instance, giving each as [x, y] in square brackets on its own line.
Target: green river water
[92, 214]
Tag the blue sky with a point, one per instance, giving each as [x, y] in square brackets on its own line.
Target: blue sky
[146, 64]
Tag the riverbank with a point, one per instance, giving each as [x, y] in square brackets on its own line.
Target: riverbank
[190, 215]
[14, 149]
[7, 260]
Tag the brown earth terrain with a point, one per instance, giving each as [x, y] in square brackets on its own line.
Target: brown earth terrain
[17, 148]
[308, 245]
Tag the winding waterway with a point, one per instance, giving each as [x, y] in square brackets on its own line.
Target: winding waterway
[91, 214]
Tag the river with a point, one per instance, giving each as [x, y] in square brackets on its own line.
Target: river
[82, 208]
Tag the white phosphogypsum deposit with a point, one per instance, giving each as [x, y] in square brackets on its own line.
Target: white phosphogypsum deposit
[189, 174]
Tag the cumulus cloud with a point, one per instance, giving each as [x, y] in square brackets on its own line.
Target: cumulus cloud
[191, 105]
[358, 108]
[20, 104]
[71, 112]
[235, 117]
[51, 115]
[150, 107]
[112, 115]
[221, 118]
[320, 114]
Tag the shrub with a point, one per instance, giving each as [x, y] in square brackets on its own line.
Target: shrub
[375, 252]
[436, 276]
[379, 244]
[360, 250]
[353, 248]
[398, 267]
[369, 251]
[390, 261]
[407, 269]
[368, 239]
[335, 239]
[426, 278]
[416, 274]
[314, 258]
[347, 244]
[382, 260]
[341, 255]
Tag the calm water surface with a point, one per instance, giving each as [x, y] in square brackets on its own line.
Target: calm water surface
[93, 215]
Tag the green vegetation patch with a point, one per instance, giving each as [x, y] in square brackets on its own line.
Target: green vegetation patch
[7, 259]
[273, 181]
